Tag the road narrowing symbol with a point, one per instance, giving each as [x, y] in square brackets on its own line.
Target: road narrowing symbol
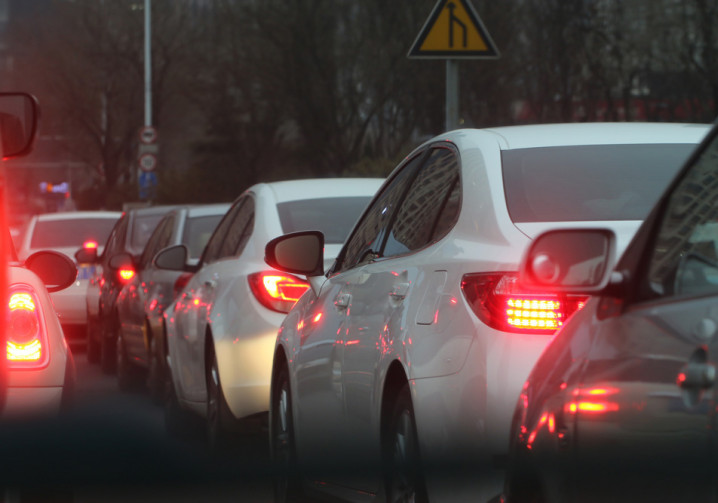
[453, 30]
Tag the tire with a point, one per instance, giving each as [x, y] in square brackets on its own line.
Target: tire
[220, 421]
[129, 376]
[108, 347]
[287, 481]
[155, 374]
[403, 477]
[93, 347]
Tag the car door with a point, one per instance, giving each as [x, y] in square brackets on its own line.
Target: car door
[139, 290]
[325, 335]
[198, 296]
[646, 400]
[384, 303]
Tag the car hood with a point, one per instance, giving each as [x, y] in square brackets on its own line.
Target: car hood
[624, 229]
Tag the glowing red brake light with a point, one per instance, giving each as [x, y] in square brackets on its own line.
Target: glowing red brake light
[126, 274]
[89, 245]
[277, 291]
[497, 301]
[26, 338]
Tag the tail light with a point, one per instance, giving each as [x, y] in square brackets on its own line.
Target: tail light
[277, 291]
[496, 299]
[125, 274]
[26, 335]
[180, 283]
[89, 245]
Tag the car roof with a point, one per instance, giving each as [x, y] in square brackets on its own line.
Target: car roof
[153, 210]
[293, 190]
[73, 215]
[207, 210]
[583, 133]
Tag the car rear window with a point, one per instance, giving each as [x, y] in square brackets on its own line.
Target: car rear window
[334, 216]
[142, 228]
[70, 233]
[589, 182]
[197, 232]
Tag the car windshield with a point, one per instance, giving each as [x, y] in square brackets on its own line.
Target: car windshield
[142, 228]
[334, 216]
[197, 232]
[588, 182]
[71, 232]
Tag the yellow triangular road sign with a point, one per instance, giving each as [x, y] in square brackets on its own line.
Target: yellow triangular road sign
[453, 30]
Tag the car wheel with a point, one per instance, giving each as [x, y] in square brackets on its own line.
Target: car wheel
[155, 374]
[219, 417]
[128, 375]
[287, 481]
[93, 347]
[403, 478]
[108, 347]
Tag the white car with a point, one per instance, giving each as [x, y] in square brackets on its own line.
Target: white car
[40, 366]
[399, 372]
[66, 232]
[220, 332]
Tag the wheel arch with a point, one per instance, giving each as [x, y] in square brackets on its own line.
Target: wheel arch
[395, 379]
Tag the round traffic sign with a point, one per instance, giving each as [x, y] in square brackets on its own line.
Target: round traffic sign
[147, 162]
[148, 135]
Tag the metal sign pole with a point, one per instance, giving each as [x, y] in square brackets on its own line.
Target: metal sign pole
[452, 94]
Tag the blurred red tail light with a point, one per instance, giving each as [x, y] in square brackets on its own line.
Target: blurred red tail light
[277, 291]
[26, 335]
[125, 274]
[496, 299]
[89, 245]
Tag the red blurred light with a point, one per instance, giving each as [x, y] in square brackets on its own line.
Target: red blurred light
[89, 245]
[126, 274]
[277, 291]
[26, 337]
[497, 301]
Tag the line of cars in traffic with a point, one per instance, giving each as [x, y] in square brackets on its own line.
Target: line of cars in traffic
[382, 332]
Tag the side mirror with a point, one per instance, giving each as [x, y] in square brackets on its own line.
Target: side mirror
[86, 256]
[120, 261]
[55, 269]
[19, 113]
[569, 261]
[297, 253]
[173, 258]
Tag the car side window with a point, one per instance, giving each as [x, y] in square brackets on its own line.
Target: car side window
[428, 199]
[365, 241]
[685, 256]
[213, 249]
[241, 229]
[155, 243]
[116, 240]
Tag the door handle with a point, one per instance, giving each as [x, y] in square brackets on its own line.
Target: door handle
[399, 291]
[342, 301]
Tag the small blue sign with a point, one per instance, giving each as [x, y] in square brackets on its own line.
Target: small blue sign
[147, 182]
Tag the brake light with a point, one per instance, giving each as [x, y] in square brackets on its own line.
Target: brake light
[126, 274]
[277, 291]
[180, 283]
[26, 336]
[496, 299]
[89, 245]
